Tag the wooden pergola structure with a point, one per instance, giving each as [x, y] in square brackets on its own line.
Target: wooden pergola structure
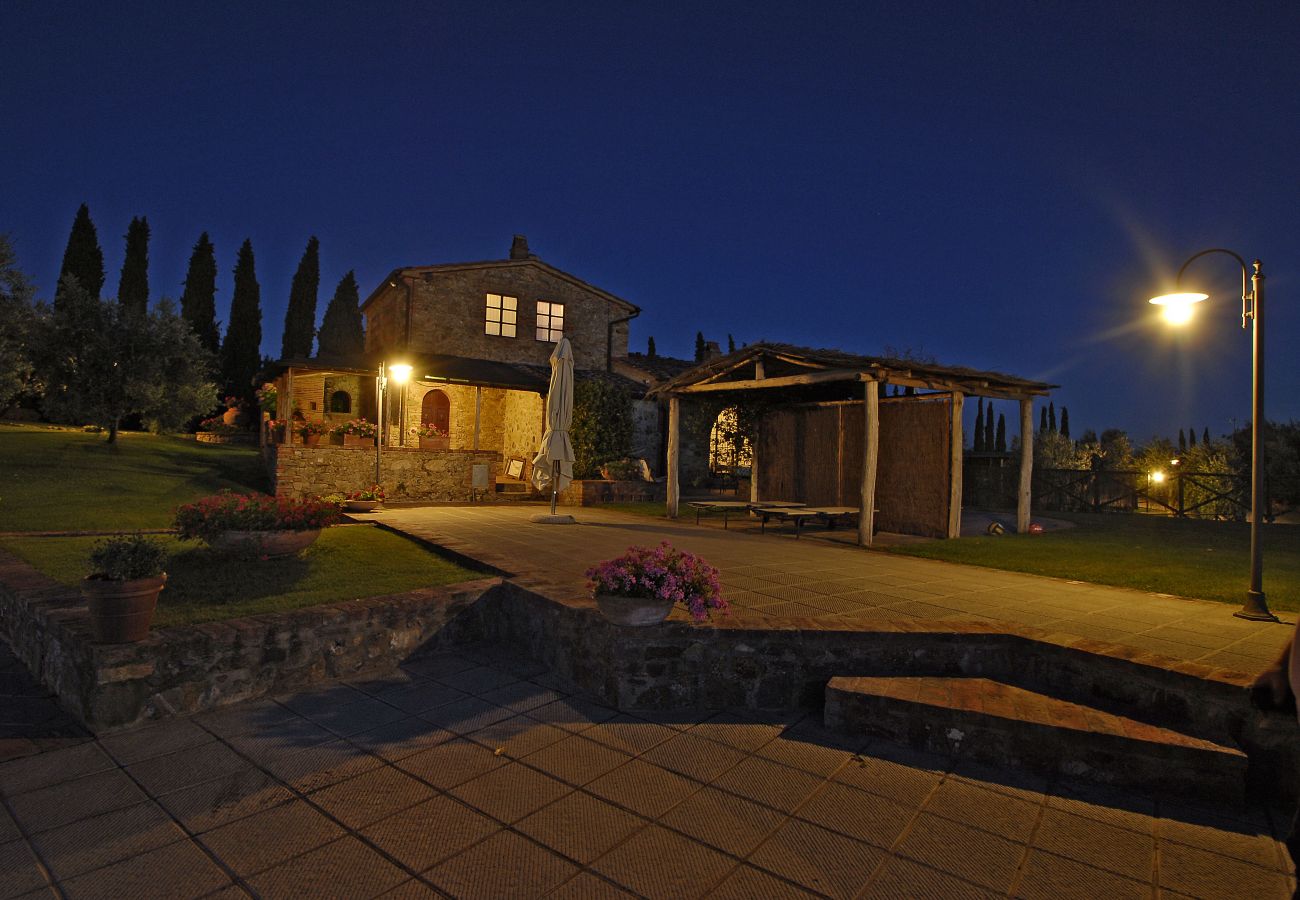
[802, 374]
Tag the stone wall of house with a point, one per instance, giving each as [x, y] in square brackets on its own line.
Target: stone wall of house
[647, 434]
[522, 420]
[448, 311]
[405, 473]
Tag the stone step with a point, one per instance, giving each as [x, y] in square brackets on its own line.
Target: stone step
[1000, 724]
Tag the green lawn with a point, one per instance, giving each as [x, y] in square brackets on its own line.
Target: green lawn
[1209, 560]
[63, 480]
[345, 563]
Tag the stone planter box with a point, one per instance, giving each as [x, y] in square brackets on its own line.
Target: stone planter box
[207, 437]
[439, 443]
[269, 544]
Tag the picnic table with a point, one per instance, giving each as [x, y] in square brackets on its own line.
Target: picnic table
[726, 507]
[799, 514]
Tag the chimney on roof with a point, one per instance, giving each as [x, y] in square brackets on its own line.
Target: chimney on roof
[519, 248]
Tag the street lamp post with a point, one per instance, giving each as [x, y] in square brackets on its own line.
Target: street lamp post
[399, 372]
[1178, 309]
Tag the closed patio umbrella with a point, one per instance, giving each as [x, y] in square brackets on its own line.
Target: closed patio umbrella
[553, 465]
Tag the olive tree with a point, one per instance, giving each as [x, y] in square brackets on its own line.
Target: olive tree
[101, 363]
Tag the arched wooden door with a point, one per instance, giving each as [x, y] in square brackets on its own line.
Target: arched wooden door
[435, 409]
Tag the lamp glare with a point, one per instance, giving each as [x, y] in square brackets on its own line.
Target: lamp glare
[399, 372]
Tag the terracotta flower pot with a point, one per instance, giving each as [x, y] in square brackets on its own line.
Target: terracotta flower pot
[120, 611]
[634, 611]
[435, 443]
[311, 440]
[357, 442]
[269, 544]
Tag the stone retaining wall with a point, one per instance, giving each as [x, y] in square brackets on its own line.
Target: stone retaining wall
[406, 474]
[196, 667]
[596, 492]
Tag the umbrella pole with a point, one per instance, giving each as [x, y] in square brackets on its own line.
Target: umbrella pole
[555, 484]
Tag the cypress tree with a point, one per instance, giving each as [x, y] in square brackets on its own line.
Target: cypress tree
[341, 333]
[240, 352]
[700, 348]
[1065, 423]
[1042, 421]
[1182, 441]
[978, 443]
[199, 298]
[1051, 417]
[1191, 437]
[300, 315]
[1205, 436]
[650, 347]
[133, 285]
[83, 257]
[988, 428]
[731, 344]
[1001, 445]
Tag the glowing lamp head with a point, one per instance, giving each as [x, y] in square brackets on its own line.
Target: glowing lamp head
[1157, 476]
[1177, 308]
[399, 372]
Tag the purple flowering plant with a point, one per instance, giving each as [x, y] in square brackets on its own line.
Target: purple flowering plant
[662, 573]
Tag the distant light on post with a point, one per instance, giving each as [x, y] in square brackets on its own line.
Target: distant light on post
[1177, 308]
[1157, 476]
[399, 372]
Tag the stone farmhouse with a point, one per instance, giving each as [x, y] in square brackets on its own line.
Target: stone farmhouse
[478, 336]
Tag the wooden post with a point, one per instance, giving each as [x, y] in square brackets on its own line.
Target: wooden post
[478, 412]
[1026, 465]
[753, 471]
[674, 454]
[870, 454]
[284, 408]
[954, 482]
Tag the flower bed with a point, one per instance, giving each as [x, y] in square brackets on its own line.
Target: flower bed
[209, 518]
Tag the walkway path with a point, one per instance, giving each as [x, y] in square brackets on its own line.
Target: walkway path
[774, 575]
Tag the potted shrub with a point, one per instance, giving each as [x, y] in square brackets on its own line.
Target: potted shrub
[621, 470]
[123, 586]
[255, 524]
[431, 436]
[364, 501]
[310, 432]
[357, 433]
[641, 586]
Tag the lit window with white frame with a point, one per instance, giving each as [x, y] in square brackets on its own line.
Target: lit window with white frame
[550, 321]
[502, 315]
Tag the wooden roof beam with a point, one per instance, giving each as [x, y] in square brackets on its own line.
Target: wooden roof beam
[820, 377]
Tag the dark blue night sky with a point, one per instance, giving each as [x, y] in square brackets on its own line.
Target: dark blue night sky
[993, 184]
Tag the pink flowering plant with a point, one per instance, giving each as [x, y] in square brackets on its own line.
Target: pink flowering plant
[358, 427]
[212, 516]
[661, 573]
[427, 430]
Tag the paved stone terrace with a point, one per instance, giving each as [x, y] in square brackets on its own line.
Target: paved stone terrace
[472, 775]
[775, 575]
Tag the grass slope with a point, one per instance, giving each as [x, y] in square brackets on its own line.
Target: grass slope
[346, 563]
[57, 480]
[1186, 557]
